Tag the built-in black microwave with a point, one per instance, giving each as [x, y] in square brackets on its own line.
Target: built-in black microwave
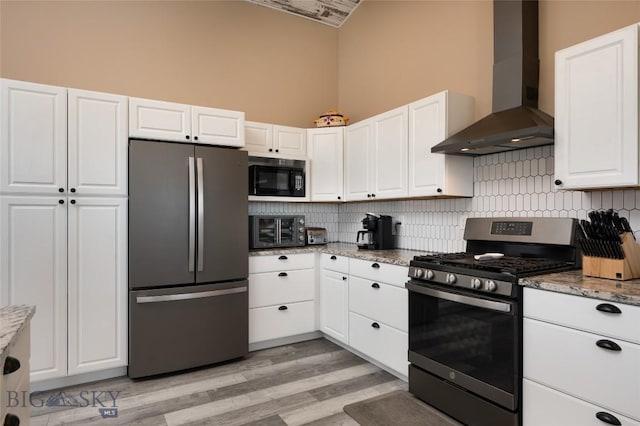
[276, 181]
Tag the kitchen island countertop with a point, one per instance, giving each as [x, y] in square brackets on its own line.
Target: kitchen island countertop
[573, 282]
[399, 257]
[12, 321]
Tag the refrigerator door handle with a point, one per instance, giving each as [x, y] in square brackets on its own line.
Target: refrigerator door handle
[192, 212]
[189, 296]
[200, 215]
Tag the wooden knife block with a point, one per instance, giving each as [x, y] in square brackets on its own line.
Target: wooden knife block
[615, 269]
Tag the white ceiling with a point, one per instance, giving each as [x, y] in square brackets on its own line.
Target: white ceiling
[330, 12]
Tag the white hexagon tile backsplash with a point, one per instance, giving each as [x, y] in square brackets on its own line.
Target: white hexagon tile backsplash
[509, 184]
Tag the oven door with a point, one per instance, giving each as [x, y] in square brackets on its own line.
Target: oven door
[467, 339]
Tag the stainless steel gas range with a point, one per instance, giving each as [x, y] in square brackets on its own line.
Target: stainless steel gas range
[465, 315]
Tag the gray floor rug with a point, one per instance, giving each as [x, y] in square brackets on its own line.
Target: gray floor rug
[396, 408]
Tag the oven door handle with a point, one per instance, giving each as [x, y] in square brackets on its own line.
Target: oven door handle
[459, 298]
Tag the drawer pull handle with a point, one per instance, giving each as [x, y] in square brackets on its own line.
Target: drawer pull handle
[282, 308]
[375, 285]
[608, 308]
[375, 265]
[283, 257]
[282, 274]
[608, 418]
[11, 420]
[11, 365]
[333, 258]
[609, 345]
[375, 325]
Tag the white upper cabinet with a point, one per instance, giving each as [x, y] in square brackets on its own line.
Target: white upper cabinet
[275, 140]
[214, 126]
[431, 120]
[390, 136]
[97, 143]
[33, 138]
[150, 119]
[375, 156]
[357, 161]
[596, 112]
[326, 152]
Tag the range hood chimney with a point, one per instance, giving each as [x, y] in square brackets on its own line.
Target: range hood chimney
[515, 122]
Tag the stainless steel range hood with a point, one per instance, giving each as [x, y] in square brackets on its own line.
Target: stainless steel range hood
[516, 122]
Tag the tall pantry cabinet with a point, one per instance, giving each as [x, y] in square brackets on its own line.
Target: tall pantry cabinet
[63, 210]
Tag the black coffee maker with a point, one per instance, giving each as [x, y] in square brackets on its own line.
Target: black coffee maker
[377, 233]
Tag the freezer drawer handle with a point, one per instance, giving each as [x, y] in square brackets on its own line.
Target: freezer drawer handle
[189, 296]
[608, 418]
[609, 345]
[608, 308]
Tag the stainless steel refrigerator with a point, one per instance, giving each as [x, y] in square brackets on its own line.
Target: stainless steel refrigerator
[188, 256]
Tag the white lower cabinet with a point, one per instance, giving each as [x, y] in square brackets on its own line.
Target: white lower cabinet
[281, 296]
[334, 304]
[584, 363]
[277, 321]
[379, 341]
[543, 406]
[68, 257]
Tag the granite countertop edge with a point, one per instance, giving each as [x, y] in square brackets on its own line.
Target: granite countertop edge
[13, 319]
[400, 257]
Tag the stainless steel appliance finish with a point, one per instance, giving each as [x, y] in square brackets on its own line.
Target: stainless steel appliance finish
[188, 251]
[515, 121]
[465, 315]
[278, 181]
[276, 231]
[316, 235]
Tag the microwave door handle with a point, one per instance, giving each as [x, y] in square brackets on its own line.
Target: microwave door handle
[200, 214]
[292, 182]
[192, 212]
[459, 298]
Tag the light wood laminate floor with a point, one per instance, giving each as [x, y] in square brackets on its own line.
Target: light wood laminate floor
[302, 383]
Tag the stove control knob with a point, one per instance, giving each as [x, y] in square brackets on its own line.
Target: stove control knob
[490, 285]
[418, 272]
[476, 283]
[429, 274]
[451, 279]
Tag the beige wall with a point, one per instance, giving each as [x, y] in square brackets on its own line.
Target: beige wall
[276, 67]
[228, 54]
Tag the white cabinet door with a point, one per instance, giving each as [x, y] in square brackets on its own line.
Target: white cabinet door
[596, 112]
[357, 161]
[289, 140]
[326, 147]
[97, 289]
[390, 146]
[33, 268]
[97, 143]
[431, 120]
[214, 126]
[159, 120]
[33, 138]
[258, 136]
[334, 305]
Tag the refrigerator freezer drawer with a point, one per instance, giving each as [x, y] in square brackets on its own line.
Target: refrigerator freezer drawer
[184, 327]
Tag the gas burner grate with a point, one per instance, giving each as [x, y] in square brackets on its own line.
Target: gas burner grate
[517, 266]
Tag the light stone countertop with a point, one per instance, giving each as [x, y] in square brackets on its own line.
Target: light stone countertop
[12, 321]
[572, 282]
[399, 257]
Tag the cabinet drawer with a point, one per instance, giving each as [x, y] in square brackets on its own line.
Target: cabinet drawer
[376, 271]
[383, 302]
[273, 322]
[383, 343]
[334, 262]
[270, 288]
[570, 361]
[583, 313]
[284, 262]
[543, 406]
